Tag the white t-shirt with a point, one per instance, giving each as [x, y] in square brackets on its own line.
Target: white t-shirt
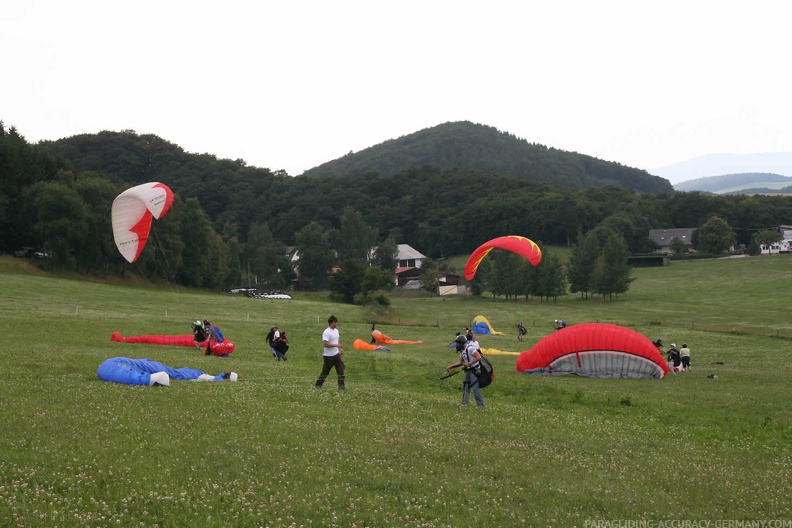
[468, 354]
[331, 336]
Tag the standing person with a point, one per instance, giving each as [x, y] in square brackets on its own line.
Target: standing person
[684, 355]
[469, 358]
[658, 343]
[521, 331]
[674, 359]
[333, 354]
[473, 341]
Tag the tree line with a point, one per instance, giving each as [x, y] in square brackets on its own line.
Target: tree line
[230, 224]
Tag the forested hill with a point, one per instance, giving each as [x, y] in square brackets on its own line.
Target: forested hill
[467, 145]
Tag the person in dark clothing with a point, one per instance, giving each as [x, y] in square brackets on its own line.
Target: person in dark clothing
[281, 346]
[271, 338]
[199, 334]
[521, 331]
[674, 358]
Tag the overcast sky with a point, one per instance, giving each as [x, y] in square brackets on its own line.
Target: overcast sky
[292, 84]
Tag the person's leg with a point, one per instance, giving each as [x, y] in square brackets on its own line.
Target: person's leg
[472, 384]
[466, 388]
[340, 367]
[326, 366]
[477, 392]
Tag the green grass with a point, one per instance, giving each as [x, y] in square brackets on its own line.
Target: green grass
[395, 449]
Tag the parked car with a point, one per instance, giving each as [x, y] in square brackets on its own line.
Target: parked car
[42, 254]
[25, 252]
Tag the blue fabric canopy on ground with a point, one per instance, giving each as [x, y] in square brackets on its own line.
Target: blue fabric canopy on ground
[139, 372]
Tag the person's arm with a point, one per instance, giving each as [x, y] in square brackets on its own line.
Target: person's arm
[476, 357]
[328, 344]
[455, 365]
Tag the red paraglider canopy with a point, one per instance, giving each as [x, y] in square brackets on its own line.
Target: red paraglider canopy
[517, 244]
[595, 350]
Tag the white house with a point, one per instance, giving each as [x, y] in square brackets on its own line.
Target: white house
[782, 246]
[409, 257]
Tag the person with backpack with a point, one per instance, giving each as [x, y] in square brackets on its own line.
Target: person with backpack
[281, 346]
[469, 358]
[521, 331]
[213, 336]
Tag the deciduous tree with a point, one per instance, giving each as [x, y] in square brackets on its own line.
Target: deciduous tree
[714, 236]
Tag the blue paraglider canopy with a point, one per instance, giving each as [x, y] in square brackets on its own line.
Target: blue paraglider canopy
[147, 372]
[482, 326]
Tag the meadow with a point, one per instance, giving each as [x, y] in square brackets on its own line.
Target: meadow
[395, 448]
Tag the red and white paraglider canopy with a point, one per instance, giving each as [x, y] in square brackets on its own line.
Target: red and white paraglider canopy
[131, 215]
[595, 350]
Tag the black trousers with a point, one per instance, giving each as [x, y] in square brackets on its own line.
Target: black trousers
[330, 362]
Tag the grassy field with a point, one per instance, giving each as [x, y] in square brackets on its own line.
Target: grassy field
[396, 448]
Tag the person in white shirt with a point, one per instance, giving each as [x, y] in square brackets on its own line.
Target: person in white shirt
[333, 354]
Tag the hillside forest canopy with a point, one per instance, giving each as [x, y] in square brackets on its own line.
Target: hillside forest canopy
[230, 223]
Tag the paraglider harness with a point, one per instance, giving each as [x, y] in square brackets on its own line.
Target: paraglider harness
[484, 372]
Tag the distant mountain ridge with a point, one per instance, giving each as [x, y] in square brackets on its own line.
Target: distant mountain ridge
[746, 183]
[462, 144]
[779, 163]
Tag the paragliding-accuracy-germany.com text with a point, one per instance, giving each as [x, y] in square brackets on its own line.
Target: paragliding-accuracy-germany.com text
[687, 523]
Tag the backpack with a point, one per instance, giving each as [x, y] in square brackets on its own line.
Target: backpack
[281, 346]
[484, 372]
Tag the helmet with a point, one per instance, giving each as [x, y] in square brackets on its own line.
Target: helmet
[673, 345]
[460, 340]
[197, 323]
[684, 345]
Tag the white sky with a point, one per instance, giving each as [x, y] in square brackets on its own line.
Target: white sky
[292, 84]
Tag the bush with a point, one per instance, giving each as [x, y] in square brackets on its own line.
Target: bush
[374, 298]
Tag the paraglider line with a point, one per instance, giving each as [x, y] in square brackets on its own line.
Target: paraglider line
[453, 373]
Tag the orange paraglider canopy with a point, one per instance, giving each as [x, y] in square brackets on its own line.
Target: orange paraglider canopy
[382, 339]
[516, 244]
[359, 344]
